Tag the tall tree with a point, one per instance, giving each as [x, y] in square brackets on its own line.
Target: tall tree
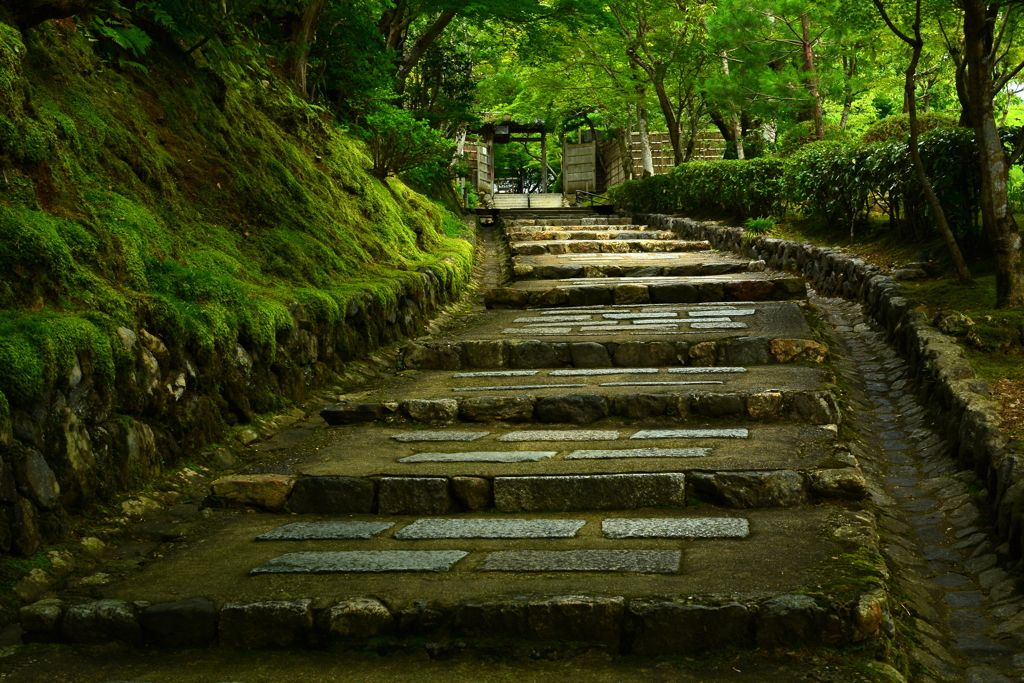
[910, 89]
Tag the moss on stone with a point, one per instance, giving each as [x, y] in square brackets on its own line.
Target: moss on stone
[175, 201]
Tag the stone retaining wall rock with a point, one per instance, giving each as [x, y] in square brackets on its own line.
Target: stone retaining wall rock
[945, 379]
[89, 439]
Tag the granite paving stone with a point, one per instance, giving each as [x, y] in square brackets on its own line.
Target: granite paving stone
[639, 453]
[561, 435]
[619, 561]
[497, 373]
[426, 435]
[722, 369]
[729, 312]
[423, 529]
[658, 384]
[586, 372]
[520, 387]
[362, 561]
[481, 456]
[718, 326]
[702, 527]
[692, 434]
[325, 531]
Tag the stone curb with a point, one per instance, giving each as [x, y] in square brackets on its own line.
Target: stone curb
[948, 384]
[817, 407]
[563, 272]
[639, 626]
[772, 289]
[534, 354]
[438, 495]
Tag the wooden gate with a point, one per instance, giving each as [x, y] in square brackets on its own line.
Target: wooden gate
[580, 162]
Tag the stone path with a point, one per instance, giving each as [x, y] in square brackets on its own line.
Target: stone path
[644, 456]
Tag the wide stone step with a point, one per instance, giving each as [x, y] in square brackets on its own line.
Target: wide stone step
[605, 246]
[740, 287]
[550, 200]
[562, 221]
[656, 582]
[562, 235]
[624, 335]
[624, 266]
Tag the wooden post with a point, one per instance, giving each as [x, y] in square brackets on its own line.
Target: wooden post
[543, 162]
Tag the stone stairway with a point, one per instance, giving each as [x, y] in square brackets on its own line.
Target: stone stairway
[652, 464]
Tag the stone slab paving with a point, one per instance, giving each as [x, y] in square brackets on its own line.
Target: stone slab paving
[722, 369]
[520, 387]
[704, 527]
[639, 453]
[662, 384]
[619, 561]
[423, 529]
[597, 372]
[325, 531]
[560, 435]
[497, 373]
[481, 456]
[412, 437]
[769, 319]
[362, 561]
[739, 433]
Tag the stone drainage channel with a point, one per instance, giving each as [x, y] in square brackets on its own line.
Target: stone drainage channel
[932, 517]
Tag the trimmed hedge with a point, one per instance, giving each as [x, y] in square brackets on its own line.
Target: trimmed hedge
[838, 183]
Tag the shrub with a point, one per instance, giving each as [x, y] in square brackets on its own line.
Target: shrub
[399, 143]
[759, 226]
[800, 134]
[897, 128]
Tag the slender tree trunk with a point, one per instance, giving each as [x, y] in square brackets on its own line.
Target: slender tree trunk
[412, 56]
[303, 35]
[671, 120]
[849, 70]
[812, 79]
[735, 123]
[646, 157]
[998, 222]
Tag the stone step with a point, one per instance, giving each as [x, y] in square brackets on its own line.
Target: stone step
[532, 356]
[738, 287]
[770, 332]
[560, 221]
[634, 582]
[605, 246]
[550, 200]
[590, 235]
[438, 397]
[623, 266]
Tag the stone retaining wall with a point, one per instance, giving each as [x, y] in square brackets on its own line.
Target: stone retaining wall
[89, 439]
[644, 627]
[946, 381]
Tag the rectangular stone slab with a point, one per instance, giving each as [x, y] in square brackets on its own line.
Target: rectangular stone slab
[591, 372]
[697, 527]
[722, 369]
[429, 435]
[721, 311]
[692, 434]
[619, 561]
[498, 373]
[559, 493]
[561, 435]
[423, 529]
[361, 562]
[520, 387]
[482, 456]
[640, 316]
[554, 319]
[639, 453]
[656, 384]
[718, 326]
[325, 531]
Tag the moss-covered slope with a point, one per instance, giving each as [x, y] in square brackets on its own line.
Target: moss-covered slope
[169, 200]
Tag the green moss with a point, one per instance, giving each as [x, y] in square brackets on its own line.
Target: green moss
[162, 201]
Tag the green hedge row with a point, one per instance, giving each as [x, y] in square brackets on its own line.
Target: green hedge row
[839, 183]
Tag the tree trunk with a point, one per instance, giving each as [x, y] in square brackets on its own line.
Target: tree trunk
[812, 81]
[997, 220]
[735, 124]
[646, 157]
[412, 56]
[671, 120]
[302, 37]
